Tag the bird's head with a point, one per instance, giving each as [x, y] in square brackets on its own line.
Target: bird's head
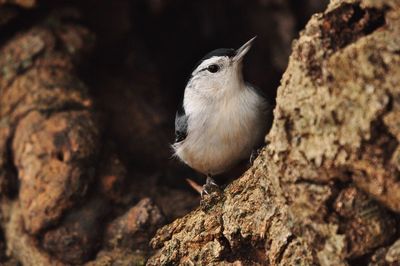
[220, 71]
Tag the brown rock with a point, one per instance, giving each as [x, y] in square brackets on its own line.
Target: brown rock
[24, 247]
[53, 156]
[79, 235]
[49, 137]
[134, 229]
[327, 129]
[120, 257]
[36, 77]
[386, 256]
[244, 227]
[393, 253]
[365, 224]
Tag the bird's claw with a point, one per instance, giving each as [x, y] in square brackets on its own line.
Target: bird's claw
[209, 187]
[210, 181]
[254, 154]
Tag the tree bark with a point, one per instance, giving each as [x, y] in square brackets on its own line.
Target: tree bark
[325, 190]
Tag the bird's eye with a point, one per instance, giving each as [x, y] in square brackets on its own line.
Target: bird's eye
[213, 68]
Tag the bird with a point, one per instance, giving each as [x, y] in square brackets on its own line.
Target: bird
[223, 119]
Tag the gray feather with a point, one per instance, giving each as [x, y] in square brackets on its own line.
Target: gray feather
[181, 124]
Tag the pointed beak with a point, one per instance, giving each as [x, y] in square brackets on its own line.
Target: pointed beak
[242, 51]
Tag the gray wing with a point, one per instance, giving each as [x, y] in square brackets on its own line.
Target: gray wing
[181, 124]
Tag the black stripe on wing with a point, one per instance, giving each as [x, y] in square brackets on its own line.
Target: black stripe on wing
[181, 124]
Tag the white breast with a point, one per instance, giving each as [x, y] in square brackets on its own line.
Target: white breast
[222, 133]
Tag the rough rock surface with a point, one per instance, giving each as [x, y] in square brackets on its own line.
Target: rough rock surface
[135, 227]
[325, 190]
[60, 184]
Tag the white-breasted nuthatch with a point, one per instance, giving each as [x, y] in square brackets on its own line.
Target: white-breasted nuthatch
[223, 119]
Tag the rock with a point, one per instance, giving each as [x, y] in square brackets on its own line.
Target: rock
[365, 224]
[234, 230]
[49, 140]
[47, 124]
[134, 229]
[120, 257]
[393, 253]
[79, 235]
[328, 132]
[53, 157]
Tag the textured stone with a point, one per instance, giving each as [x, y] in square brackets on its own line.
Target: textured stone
[294, 205]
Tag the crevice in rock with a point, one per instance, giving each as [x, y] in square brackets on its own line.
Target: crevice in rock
[282, 250]
[247, 252]
[381, 144]
[348, 23]
[12, 182]
[65, 107]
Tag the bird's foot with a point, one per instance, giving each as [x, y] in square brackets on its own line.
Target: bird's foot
[210, 195]
[209, 187]
[254, 155]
